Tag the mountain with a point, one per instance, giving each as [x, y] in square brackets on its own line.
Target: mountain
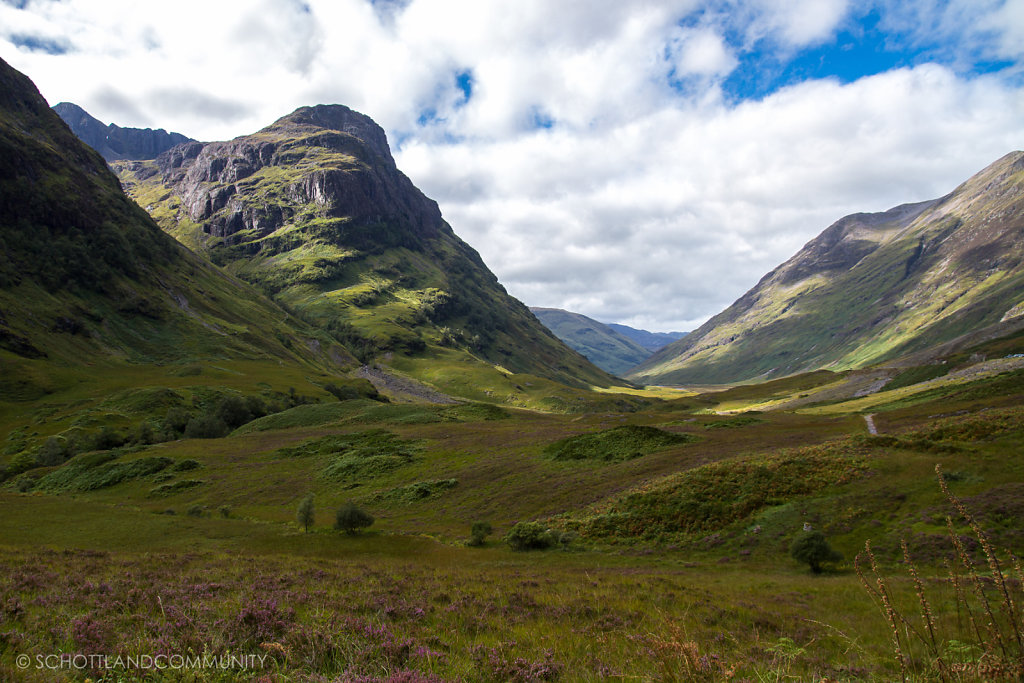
[114, 142]
[602, 345]
[87, 277]
[652, 341]
[313, 210]
[871, 288]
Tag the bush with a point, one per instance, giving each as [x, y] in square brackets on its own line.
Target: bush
[530, 536]
[206, 427]
[225, 511]
[305, 513]
[52, 452]
[479, 532]
[233, 411]
[175, 421]
[351, 518]
[195, 511]
[812, 548]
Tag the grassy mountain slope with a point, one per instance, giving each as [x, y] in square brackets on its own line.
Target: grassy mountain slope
[870, 288]
[314, 212]
[603, 346]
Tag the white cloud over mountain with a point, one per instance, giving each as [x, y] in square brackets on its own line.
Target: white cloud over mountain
[597, 154]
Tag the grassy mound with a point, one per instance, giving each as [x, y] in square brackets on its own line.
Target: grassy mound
[710, 498]
[616, 444]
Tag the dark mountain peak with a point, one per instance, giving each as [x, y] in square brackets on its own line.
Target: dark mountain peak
[337, 117]
[326, 162]
[114, 142]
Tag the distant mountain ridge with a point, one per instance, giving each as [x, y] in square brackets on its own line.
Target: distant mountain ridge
[600, 343]
[652, 341]
[114, 142]
[870, 288]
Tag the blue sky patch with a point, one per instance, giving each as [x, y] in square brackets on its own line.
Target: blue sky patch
[40, 44]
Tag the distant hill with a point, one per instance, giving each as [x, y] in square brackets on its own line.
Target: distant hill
[652, 341]
[871, 288]
[601, 344]
[114, 142]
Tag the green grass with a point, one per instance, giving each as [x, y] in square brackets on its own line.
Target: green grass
[616, 444]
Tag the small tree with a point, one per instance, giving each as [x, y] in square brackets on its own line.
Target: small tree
[351, 518]
[478, 532]
[305, 514]
[812, 547]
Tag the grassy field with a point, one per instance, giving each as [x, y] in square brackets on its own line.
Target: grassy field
[669, 560]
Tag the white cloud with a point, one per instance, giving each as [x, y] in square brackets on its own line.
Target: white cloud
[650, 200]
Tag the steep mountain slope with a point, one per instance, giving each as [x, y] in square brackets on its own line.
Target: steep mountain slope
[603, 346]
[114, 142]
[313, 210]
[870, 288]
[86, 275]
[652, 341]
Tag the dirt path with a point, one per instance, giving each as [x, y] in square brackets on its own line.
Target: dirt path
[869, 419]
[402, 388]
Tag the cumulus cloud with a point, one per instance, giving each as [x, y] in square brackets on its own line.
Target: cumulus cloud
[585, 149]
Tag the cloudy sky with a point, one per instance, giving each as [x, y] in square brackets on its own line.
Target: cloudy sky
[642, 161]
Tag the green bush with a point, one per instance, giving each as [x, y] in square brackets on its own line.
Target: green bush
[479, 532]
[305, 514]
[194, 511]
[530, 536]
[206, 427]
[351, 518]
[811, 548]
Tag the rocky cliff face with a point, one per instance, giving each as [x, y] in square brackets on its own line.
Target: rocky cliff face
[327, 161]
[313, 210]
[114, 142]
[871, 287]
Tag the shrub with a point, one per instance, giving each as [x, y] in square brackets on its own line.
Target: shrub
[305, 512]
[351, 518]
[206, 427]
[479, 532]
[175, 421]
[52, 452]
[107, 439]
[233, 411]
[225, 511]
[530, 536]
[186, 465]
[812, 548]
[194, 511]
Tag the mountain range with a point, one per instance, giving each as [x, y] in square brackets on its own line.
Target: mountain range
[114, 142]
[871, 289]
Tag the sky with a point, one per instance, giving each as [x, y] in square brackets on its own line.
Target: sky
[642, 162]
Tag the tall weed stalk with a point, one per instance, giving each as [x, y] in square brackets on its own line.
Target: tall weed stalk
[984, 639]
